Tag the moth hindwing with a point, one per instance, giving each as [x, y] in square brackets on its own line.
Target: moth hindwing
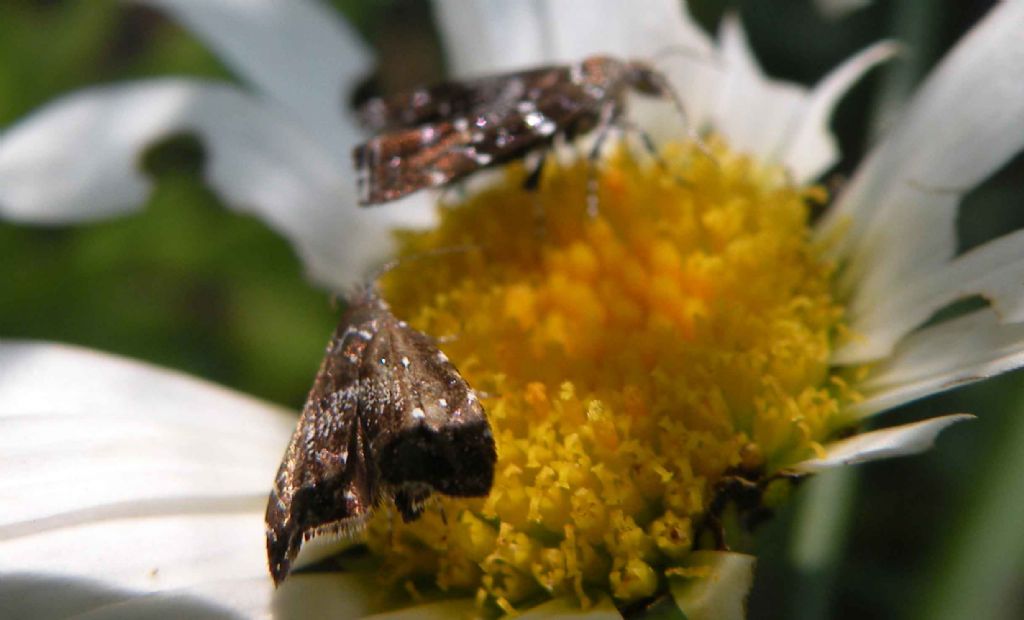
[431, 137]
[388, 418]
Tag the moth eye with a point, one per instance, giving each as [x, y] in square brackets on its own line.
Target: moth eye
[417, 413]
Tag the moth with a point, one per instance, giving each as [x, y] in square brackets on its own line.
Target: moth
[431, 137]
[388, 418]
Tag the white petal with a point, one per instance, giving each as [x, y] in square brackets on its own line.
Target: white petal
[337, 595]
[218, 600]
[810, 148]
[781, 121]
[330, 595]
[662, 34]
[42, 597]
[476, 32]
[581, 28]
[143, 433]
[165, 551]
[886, 443]
[963, 350]
[299, 52]
[77, 159]
[722, 595]
[135, 475]
[476, 36]
[753, 112]
[994, 270]
[309, 596]
[895, 220]
[491, 36]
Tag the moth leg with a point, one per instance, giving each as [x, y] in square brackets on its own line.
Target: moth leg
[532, 180]
[744, 492]
[410, 499]
[731, 489]
[611, 114]
[530, 184]
[651, 148]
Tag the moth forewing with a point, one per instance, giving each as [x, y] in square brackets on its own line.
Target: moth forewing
[432, 137]
[365, 435]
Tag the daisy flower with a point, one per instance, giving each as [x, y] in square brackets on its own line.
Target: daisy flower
[699, 331]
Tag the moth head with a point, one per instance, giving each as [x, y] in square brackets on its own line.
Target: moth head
[646, 80]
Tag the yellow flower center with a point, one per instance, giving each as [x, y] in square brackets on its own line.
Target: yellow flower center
[627, 362]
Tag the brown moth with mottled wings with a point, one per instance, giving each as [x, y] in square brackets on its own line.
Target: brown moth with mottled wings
[431, 137]
[388, 418]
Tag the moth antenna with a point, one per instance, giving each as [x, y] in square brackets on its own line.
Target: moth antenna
[677, 103]
[685, 51]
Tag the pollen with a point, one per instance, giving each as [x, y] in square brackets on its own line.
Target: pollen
[627, 360]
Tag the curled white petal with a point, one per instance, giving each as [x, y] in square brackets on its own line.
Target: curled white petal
[886, 443]
[963, 350]
[782, 121]
[994, 270]
[895, 221]
[300, 53]
[809, 149]
[77, 159]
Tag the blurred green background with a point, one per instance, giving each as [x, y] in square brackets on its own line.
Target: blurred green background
[190, 285]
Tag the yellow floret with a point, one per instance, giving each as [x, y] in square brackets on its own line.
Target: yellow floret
[627, 362]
